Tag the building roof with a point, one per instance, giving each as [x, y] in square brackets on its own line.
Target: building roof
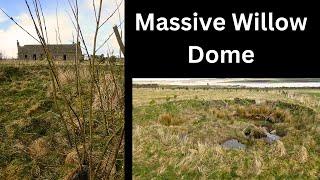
[56, 48]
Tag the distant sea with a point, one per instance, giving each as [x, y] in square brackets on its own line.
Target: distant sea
[232, 82]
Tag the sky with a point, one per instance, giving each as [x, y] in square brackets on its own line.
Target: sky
[59, 10]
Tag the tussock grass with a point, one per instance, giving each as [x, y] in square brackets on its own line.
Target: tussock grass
[192, 149]
[38, 148]
[169, 120]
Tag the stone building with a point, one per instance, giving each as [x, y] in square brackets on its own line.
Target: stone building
[58, 51]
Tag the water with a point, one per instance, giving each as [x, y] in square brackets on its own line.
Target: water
[231, 82]
[271, 138]
[233, 144]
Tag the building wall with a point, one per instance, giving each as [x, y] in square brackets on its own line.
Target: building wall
[42, 56]
[59, 52]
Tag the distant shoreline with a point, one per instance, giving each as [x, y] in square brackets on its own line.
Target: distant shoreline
[232, 82]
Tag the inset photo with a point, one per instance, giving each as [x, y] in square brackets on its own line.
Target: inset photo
[225, 128]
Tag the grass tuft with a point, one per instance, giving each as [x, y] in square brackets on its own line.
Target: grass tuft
[38, 148]
[169, 120]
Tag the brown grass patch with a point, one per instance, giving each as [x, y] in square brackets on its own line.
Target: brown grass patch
[38, 148]
[12, 171]
[169, 120]
[72, 158]
[255, 132]
[33, 109]
[263, 112]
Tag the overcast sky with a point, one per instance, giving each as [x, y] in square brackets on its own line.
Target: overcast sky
[10, 33]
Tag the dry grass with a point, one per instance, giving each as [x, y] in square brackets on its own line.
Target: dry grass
[39, 148]
[12, 171]
[72, 158]
[302, 154]
[33, 140]
[67, 108]
[34, 108]
[257, 165]
[169, 120]
[26, 63]
[192, 149]
[278, 149]
[143, 96]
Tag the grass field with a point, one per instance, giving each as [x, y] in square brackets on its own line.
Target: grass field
[178, 133]
[33, 140]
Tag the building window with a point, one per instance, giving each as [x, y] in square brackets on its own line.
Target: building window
[25, 56]
[64, 57]
[34, 57]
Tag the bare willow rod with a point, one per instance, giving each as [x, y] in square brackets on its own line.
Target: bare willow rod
[19, 25]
